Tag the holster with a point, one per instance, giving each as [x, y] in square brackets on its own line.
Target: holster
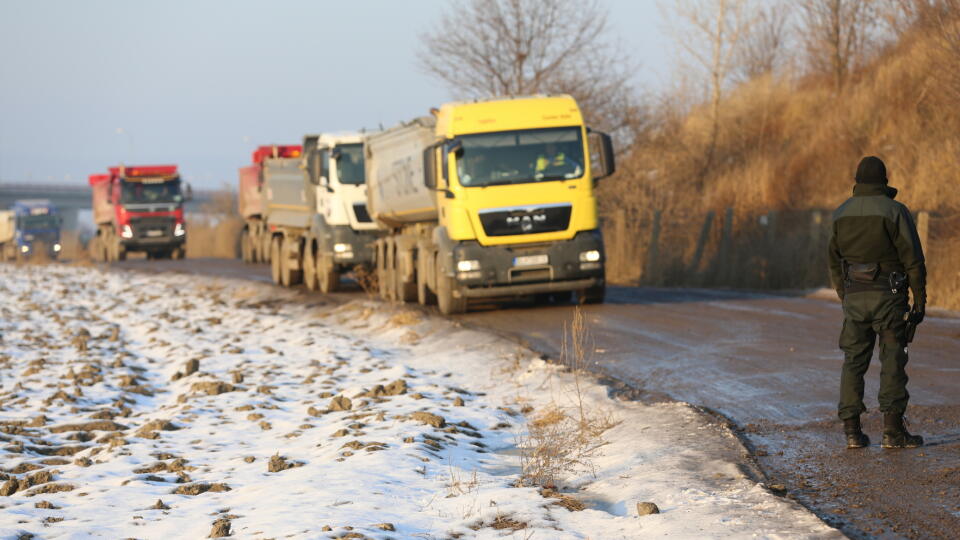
[863, 272]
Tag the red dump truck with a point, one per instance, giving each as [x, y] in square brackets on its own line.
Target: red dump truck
[138, 208]
[258, 185]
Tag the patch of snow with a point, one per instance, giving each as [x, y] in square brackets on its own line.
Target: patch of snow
[86, 345]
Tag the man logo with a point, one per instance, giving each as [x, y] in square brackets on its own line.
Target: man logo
[526, 221]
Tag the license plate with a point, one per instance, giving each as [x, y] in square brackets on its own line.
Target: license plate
[530, 260]
[155, 232]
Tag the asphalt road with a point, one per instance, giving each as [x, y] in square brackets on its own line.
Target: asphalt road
[770, 364]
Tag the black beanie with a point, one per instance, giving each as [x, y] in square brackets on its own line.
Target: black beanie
[871, 171]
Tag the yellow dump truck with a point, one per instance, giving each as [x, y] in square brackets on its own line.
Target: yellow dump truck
[489, 200]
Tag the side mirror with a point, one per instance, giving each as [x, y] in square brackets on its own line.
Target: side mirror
[601, 155]
[187, 193]
[430, 167]
[335, 153]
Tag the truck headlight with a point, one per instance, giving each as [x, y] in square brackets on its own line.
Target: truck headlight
[57, 248]
[468, 266]
[342, 251]
[24, 249]
[179, 230]
[590, 256]
[126, 232]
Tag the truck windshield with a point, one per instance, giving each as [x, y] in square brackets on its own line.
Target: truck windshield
[350, 164]
[519, 157]
[159, 192]
[40, 222]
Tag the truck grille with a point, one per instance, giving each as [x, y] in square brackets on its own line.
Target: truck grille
[533, 219]
[360, 210]
[152, 227]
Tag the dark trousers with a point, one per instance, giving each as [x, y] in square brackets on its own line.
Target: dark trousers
[866, 315]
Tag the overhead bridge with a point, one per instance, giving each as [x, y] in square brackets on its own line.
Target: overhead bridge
[70, 199]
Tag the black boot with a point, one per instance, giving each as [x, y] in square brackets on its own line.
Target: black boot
[856, 438]
[895, 434]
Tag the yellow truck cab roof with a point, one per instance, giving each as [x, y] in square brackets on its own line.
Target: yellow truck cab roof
[506, 114]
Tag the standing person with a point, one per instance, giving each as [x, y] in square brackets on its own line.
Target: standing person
[875, 255]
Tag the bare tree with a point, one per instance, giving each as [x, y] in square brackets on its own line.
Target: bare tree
[837, 35]
[761, 50]
[710, 32]
[482, 48]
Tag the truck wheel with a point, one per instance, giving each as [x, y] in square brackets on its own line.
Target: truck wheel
[406, 292]
[288, 276]
[246, 254]
[275, 259]
[327, 275]
[177, 253]
[266, 248]
[384, 275]
[309, 267]
[121, 252]
[448, 304]
[425, 296]
[592, 295]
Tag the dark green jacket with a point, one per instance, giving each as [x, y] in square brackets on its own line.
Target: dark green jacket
[871, 227]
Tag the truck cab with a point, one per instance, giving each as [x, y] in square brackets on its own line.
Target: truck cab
[139, 209]
[342, 232]
[36, 229]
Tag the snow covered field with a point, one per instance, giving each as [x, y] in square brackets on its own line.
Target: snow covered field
[173, 406]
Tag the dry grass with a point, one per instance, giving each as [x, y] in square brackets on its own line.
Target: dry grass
[367, 279]
[788, 146]
[563, 441]
[216, 231]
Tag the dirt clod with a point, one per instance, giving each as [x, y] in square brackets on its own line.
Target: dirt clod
[221, 528]
[96, 425]
[647, 508]
[340, 403]
[191, 366]
[199, 488]
[430, 419]
[212, 388]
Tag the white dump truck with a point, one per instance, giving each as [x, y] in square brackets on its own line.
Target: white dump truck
[341, 233]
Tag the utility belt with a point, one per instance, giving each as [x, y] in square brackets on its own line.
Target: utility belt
[859, 277]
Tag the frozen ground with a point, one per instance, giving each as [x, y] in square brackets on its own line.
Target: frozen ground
[175, 406]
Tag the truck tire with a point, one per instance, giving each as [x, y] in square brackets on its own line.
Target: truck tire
[288, 276]
[327, 275]
[592, 295]
[406, 292]
[425, 296]
[246, 250]
[178, 253]
[384, 274]
[446, 301]
[310, 267]
[266, 247]
[275, 259]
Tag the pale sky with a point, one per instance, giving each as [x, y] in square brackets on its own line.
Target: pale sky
[88, 84]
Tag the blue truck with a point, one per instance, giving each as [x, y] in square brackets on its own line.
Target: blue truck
[29, 228]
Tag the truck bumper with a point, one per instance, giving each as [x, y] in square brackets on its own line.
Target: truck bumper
[351, 247]
[146, 244]
[529, 269]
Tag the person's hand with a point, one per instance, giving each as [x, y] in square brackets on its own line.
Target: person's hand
[919, 309]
